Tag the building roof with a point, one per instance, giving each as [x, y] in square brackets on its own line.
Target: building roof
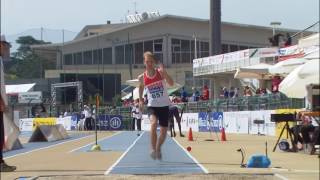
[104, 29]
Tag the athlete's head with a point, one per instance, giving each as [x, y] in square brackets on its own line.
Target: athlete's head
[149, 60]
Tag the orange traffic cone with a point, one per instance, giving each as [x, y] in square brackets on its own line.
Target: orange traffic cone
[190, 137]
[223, 135]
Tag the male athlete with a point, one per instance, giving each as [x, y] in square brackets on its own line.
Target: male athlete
[154, 81]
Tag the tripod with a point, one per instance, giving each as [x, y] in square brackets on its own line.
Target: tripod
[286, 126]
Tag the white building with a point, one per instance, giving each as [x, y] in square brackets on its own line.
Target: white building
[104, 54]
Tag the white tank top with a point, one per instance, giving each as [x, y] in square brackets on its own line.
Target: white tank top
[156, 90]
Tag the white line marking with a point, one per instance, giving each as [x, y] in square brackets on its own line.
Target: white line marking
[46, 147]
[280, 176]
[134, 142]
[200, 165]
[95, 142]
[296, 170]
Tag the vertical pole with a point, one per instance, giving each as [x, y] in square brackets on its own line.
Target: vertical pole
[215, 27]
[97, 115]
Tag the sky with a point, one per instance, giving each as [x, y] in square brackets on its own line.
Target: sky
[73, 15]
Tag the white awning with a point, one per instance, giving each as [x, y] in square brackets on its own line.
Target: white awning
[294, 85]
[258, 71]
[19, 88]
[312, 40]
[286, 66]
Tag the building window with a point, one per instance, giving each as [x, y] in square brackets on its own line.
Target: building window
[176, 49]
[78, 58]
[87, 57]
[185, 51]
[243, 47]
[119, 54]
[107, 56]
[233, 48]
[159, 57]
[148, 46]
[68, 59]
[225, 48]
[97, 56]
[128, 54]
[204, 48]
[157, 45]
[138, 53]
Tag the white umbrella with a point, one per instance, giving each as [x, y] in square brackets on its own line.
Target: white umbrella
[286, 66]
[258, 71]
[294, 85]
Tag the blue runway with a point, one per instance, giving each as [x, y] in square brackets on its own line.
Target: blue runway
[118, 142]
[174, 161]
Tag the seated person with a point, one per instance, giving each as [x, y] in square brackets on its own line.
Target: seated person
[305, 133]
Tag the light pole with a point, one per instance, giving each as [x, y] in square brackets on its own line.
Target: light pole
[195, 54]
[274, 24]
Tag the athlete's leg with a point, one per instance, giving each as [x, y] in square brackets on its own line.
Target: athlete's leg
[162, 138]
[153, 131]
[163, 121]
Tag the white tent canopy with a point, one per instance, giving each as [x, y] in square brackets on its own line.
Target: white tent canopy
[294, 85]
[258, 71]
[286, 66]
[312, 40]
[19, 88]
[314, 54]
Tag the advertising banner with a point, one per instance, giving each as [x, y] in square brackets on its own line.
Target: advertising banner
[26, 124]
[43, 121]
[110, 122]
[236, 122]
[30, 97]
[74, 120]
[65, 122]
[188, 120]
[210, 121]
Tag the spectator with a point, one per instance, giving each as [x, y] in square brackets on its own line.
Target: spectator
[225, 93]
[276, 80]
[247, 91]
[236, 93]
[221, 95]
[205, 93]
[87, 116]
[195, 94]
[184, 95]
[288, 41]
[258, 91]
[231, 92]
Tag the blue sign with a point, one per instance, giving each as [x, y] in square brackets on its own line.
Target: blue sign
[110, 122]
[74, 120]
[210, 121]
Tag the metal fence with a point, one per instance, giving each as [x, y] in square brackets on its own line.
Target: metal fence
[251, 103]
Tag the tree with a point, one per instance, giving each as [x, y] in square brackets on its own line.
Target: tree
[25, 63]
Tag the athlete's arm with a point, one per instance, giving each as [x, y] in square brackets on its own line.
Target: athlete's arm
[165, 75]
[141, 88]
